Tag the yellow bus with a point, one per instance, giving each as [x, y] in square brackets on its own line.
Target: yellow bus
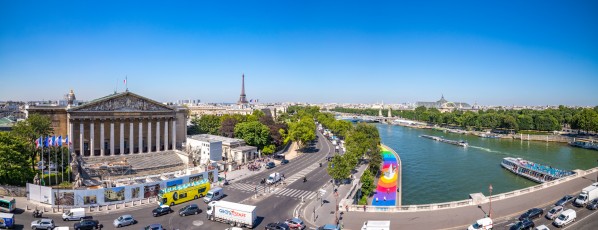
[183, 193]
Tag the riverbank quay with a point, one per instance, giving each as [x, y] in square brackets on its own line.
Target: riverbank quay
[460, 214]
[485, 134]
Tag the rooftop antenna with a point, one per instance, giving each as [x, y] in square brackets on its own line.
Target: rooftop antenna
[127, 87]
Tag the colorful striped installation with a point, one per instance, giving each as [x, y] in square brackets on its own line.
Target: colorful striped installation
[386, 191]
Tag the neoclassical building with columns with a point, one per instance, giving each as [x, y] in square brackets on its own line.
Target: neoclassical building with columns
[119, 124]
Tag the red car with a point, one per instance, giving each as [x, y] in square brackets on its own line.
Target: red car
[295, 223]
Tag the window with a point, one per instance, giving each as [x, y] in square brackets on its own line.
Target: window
[175, 196]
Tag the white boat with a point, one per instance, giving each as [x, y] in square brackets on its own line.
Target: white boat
[533, 171]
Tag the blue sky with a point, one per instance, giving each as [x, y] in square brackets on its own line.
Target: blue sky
[492, 53]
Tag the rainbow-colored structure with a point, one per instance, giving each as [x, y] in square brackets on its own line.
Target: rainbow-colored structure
[386, 191]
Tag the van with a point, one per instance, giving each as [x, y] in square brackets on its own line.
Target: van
[484, 223]
[7, 220]
[376, 225]
[74, 214]
[214, 194]
[566, 217]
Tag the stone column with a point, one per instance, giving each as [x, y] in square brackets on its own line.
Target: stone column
[149, 135]
[166, 134]
[157, 135]
[131, 141]
[122, 137]
[173, 134]
[81, 136]
[140, 136]
[91, 138]
[112, 137]
[70, 136]
[102, 138]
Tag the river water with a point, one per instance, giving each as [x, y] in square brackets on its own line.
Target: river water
[435, 172]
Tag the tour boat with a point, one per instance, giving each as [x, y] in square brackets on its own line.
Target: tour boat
[461, 143]
[533, 171]
[585, 143]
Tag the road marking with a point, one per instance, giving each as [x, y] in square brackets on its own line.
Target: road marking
[197, 223]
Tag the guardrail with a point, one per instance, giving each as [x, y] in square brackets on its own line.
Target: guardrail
[468, 202]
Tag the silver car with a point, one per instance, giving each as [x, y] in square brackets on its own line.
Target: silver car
[42, 224]
[554, 212]
[124, 220]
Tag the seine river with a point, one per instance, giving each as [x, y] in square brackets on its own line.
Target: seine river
[435, 172]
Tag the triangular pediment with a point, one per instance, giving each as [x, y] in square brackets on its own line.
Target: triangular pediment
[122, 102]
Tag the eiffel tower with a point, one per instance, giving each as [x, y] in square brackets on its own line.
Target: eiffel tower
[242, 99]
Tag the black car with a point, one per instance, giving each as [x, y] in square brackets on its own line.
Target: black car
[524, 224]
[87, 224]
[593, 205]
[277, 226]
[284, 162]
[270, 165]
[531, 214]
[162, 210]
[191, 209]
[565, 200]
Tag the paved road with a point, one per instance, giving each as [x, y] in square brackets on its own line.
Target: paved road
[274, 206]
[460, 218]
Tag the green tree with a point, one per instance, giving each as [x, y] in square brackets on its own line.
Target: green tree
[14, 159]
[207, 124]
[227, 127]
[367, 183]
[339, 168]
[34, 127]
[525, 122]
[302, 131]
[269, 149]
[546, 123]
[586, 120]
[254, 133]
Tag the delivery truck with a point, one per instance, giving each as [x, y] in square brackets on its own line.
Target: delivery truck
[7, 220]
[234, 214]
[74, 214]
[587, 194]
[273, 178]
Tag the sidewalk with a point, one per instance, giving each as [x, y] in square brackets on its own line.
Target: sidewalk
[325, 213]
[237, 175]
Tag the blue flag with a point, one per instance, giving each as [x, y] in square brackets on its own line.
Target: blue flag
[46, 140]
[60, 141]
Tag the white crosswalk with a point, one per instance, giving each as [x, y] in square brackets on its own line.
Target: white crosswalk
[301, 174]
[243, 187]
[296, 193]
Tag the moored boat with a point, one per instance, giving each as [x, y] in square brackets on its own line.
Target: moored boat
[533, 171]
[461, 143]
[585, 143]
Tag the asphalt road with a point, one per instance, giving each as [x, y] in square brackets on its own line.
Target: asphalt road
[585, 219]
[277, 205]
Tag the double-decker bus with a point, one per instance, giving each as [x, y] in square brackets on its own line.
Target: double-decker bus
[183, 193]
[7, 204]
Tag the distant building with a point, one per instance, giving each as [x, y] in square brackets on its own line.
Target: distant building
[233, 150]
[443, 105]
[205, 150]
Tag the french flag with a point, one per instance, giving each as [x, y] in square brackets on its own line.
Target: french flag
[50, 141]
[38, 142]
[59, 143]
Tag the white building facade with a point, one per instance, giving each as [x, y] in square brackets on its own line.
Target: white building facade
[207, 150]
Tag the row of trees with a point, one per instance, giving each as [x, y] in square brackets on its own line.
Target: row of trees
[256, 129]
[18, 153]
[362, 141]
[585, 119]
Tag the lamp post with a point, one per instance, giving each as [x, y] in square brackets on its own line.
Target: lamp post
[490, 211]
[336, 207]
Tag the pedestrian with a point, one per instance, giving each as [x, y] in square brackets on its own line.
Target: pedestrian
[347, 208]
[387, 190]
[364, 207]
[376, 199]
[384, 198]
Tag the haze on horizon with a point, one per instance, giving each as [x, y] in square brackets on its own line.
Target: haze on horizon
[489, 53]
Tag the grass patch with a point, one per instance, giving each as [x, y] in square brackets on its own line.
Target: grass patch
[534, 132]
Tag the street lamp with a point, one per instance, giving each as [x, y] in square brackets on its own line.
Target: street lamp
[490, 211]
[336, 207]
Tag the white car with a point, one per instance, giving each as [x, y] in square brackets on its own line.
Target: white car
[42, 224]
[542, 227]
[566, 217]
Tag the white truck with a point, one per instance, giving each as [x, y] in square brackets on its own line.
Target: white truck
[587, 194]
[74, 214]
[234, 214]
[273, 178]
[376, 225]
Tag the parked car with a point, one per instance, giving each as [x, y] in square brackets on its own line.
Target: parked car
[284, 162]
[531, 214]
[87, 224]
[295, 223]
[191, 209]
[277, 226]
[161, 210]
[542, 227]
[565, 200]
[124, 220]
[554, 212]
[523, 224]
[593, 205]
[270, 165]
[154, 227]
[43, 224]
[329, 227]
[481, 224]
[566, 217]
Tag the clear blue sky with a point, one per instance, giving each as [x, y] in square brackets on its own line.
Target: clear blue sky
[492, 53]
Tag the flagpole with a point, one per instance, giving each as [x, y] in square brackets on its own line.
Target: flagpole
[68, 142]
[61, 161]
[49, 160]
[41, 140]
